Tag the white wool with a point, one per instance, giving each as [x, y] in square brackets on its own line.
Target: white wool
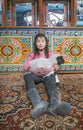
[43, 62]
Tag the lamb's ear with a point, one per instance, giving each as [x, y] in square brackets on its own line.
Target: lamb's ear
[60, 60]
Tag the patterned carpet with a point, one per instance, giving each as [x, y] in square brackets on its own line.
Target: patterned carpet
[15, 108]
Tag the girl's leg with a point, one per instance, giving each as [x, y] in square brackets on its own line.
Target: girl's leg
[55, 107]
[31, 79]
[40, 106]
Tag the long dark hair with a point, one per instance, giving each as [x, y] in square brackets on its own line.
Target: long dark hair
[46, 50]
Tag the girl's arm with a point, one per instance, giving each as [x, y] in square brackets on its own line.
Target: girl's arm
[26, 64]
[30, 69]
[56, 67]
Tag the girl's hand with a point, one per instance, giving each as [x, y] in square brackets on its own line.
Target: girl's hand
[41, 71]
[34, 70]
[56, 67]
[45, 71]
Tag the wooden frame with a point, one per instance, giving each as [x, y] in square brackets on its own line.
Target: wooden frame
[79, 13]
[66, 9]
[4, 10]
[39, 10]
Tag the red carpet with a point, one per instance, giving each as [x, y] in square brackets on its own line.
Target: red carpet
[15, 108]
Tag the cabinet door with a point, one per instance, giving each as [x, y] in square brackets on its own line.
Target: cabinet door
[0, 12]
[79, 13]
[57, 13]
[18, 12]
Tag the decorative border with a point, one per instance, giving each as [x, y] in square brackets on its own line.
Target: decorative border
[18, 31]
[78, 68]
[63, 32]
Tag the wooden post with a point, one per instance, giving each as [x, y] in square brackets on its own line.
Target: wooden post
[4, 12]
[74, 6]
[41, 13]
[12, 12]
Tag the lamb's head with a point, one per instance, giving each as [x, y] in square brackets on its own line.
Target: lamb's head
[56, 59]
[60, 60]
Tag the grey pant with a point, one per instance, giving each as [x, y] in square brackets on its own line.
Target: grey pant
[50, 83]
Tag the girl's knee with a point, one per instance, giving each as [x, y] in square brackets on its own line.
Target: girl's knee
[27, 76]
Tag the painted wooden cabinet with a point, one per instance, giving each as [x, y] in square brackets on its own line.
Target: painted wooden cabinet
[41, 13]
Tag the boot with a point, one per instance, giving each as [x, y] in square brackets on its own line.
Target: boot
[56, 107]
[40, 106]
[63, 109]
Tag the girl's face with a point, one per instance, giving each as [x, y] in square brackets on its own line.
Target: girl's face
[41, 43]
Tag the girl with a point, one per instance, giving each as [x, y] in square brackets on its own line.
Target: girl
[36, 75]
